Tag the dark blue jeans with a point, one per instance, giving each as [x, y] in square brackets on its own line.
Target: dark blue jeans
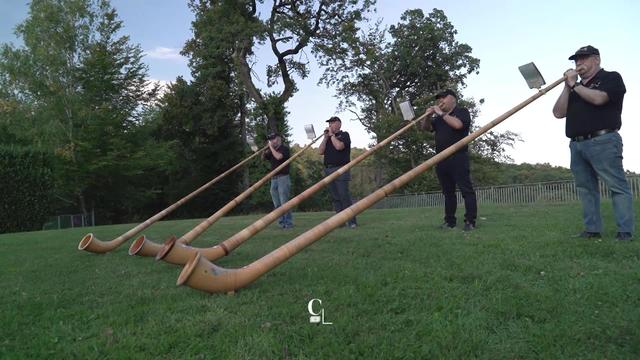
[453, 171]
[602, 157]
[339, 190]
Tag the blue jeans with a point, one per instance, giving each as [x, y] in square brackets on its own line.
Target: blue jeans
[339, 190]
[280, 188]
[602, 157]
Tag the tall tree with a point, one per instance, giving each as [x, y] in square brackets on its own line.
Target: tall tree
[287, 29]
[411, 60]
[204, 118]
[79, 89]
[205, 141]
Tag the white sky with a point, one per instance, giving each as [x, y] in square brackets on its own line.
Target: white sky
[503, 35]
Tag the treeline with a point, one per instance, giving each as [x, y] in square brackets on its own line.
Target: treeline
[83, 129]
[76, 103]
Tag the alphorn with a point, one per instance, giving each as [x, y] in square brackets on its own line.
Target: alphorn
[201, 274]
[143, 246]
[175, 252]
[92, 244]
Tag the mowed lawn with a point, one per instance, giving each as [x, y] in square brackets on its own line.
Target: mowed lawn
[398, 287]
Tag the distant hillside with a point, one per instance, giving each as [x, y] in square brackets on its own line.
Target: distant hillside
[487, 173]
[504, 174]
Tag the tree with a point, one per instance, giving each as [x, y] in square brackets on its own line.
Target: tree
[78, 90]
[205, 142]
[290, 28]
[412, 60]
[205, 119]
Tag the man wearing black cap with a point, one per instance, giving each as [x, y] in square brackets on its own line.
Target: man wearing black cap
[278, 153]
[336, 148]
[593, 108]
[450, 125]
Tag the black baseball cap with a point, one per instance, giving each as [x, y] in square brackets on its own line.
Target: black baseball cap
[584, 51]
[445, 93]
[272, 135]
[333, 118]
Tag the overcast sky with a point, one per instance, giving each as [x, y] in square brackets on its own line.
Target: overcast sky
[503, 35]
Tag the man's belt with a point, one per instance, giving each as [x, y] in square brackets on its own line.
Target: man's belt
[593, 134]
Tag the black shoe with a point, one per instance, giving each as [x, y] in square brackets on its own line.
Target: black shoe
[588, 235]
[624, 236]
[447, 226]
[469, 226]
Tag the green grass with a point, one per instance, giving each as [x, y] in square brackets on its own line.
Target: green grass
[395, 288]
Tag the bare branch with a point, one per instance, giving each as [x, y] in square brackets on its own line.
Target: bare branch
[286, 38]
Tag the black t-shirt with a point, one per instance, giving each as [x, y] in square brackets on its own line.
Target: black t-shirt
[333, 157]
[584, 118]
[284, 150]
[445, 134]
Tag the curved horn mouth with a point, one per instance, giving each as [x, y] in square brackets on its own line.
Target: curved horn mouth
[166, 247]
[199, 273]
[143, 246]
[86, 241]
[177, 253]
[92, 244]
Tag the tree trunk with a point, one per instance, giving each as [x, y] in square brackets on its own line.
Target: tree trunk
[243, 127]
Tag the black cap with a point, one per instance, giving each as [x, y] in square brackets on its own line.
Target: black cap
[584, 51]
[272, 135]
[333, 118]
[444, 93]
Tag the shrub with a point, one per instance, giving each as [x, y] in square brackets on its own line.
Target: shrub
[26, 184]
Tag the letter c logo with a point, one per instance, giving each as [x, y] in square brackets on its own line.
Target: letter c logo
[310, 306]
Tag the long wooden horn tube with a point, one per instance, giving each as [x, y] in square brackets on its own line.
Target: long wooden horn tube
[175, 253]
[90, 243]
[201, 274]
[196, 231]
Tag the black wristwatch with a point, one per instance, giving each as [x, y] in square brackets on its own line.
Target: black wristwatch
[574, 86]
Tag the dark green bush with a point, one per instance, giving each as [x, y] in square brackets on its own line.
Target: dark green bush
[26, 188]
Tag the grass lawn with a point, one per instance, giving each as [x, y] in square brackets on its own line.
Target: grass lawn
[518, 287]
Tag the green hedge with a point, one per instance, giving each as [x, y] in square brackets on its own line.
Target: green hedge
[26, 188]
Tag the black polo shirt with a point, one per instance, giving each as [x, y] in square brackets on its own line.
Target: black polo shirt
[446, 135]
[284, 150]
[333, 157]
[584, 118]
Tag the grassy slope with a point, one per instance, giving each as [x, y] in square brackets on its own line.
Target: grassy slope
[397, 287]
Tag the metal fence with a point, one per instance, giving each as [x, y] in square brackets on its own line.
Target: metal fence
[69, 221]
[554, 191]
